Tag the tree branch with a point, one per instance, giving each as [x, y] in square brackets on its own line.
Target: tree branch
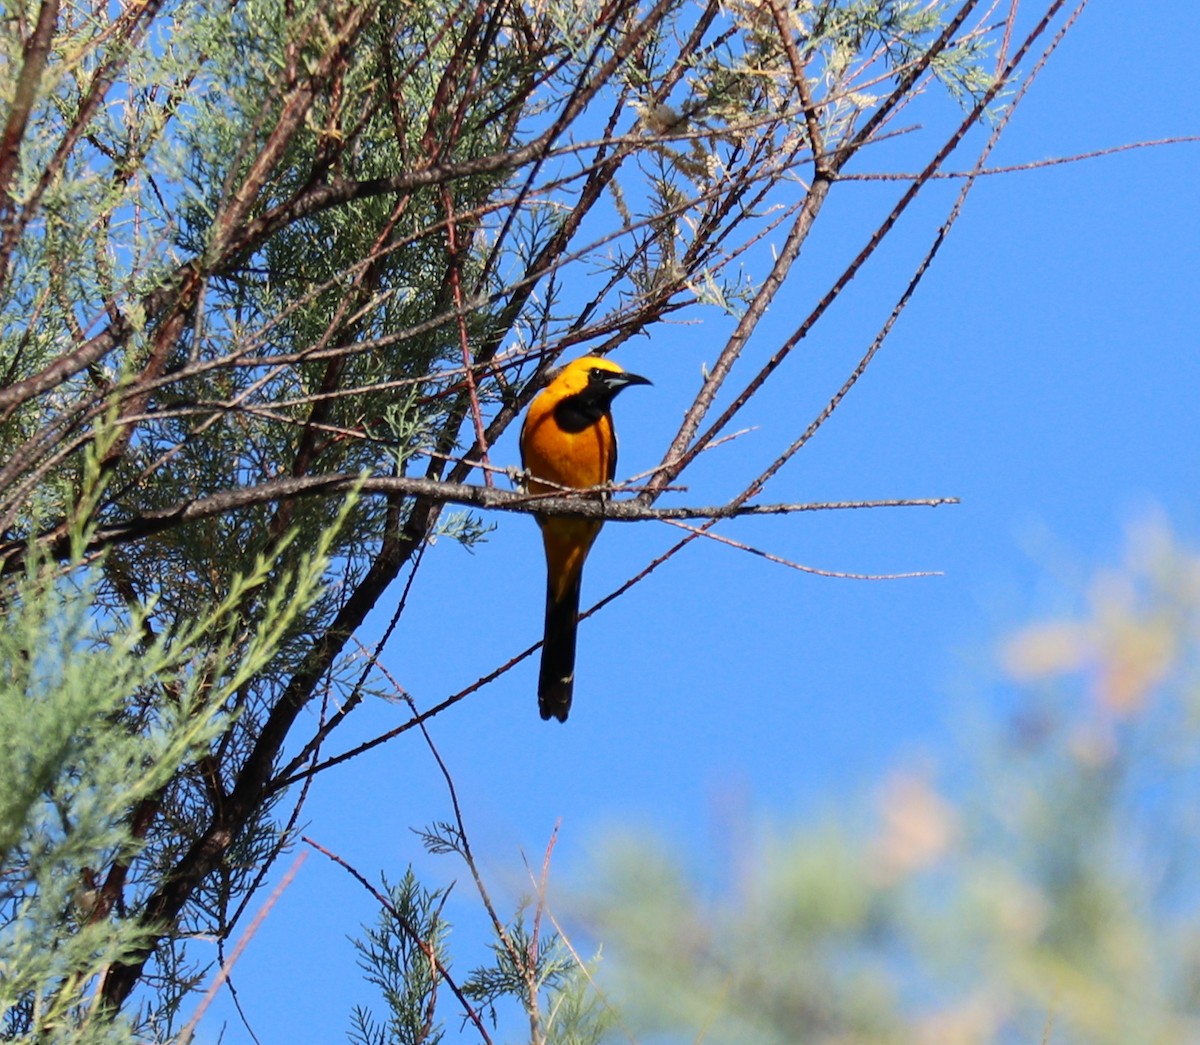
[583, 505]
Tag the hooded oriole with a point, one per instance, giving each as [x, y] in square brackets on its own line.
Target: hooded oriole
[568, 441]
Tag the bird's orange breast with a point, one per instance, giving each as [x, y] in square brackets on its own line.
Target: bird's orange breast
[577, 460]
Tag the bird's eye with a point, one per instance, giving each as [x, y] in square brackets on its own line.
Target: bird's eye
[596, 372]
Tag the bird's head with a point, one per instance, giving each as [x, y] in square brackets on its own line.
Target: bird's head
[596, 378]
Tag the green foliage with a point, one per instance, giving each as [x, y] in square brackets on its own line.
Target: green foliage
[68, 780]
[1055, 897]
[398, 956]
[467, 528]
[100, 720]
[576, 1013]
[82, 746]
[786, 957]
[406, 957]
[1044, 888]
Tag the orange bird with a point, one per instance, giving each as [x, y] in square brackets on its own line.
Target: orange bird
[568, 441]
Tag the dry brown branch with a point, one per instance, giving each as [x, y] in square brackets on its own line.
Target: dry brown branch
[37, 49]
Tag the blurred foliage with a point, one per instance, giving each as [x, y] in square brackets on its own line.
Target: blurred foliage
[1047, 889]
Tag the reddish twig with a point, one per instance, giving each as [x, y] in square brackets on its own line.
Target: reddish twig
[246, 937]
[531, 959]
[460, 312]
[430, 954]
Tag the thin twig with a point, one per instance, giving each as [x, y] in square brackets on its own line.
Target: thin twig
[796, 565]
[587, 974]
[464, 842]
[531, 959]
[245, 939]
[464, 342]
[430, 954]
[1032, 165]
[312, 747]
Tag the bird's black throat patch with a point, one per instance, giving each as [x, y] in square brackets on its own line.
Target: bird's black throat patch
[583, 409]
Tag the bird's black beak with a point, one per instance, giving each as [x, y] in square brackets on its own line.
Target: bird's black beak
[615, 382]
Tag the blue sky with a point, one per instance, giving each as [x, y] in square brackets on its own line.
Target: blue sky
[1046, 374]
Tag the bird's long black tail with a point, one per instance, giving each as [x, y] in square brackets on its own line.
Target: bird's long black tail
[556, 682]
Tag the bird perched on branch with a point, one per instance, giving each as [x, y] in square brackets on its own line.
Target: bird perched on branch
[568, 442]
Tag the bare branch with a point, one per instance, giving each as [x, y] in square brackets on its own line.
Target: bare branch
[584, 505]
